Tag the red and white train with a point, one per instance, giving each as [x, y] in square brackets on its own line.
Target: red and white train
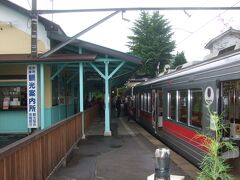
[173, 105]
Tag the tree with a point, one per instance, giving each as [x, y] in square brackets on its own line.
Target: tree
[179, 59]
[151, 40]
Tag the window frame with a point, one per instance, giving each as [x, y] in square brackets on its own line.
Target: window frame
[141, 101]
[149, 102]
[179, 106]
[191, 112]
[170, 104]
[189, 106]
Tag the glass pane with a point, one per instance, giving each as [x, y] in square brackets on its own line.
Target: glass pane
[149, 103]
[55, 91]
[196, 104]
[13, 97]
[145, 102]
[172, 105]
[183, 106]
[231, 106]
[160, 109]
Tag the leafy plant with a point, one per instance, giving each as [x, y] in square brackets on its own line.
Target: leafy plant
[213, 166]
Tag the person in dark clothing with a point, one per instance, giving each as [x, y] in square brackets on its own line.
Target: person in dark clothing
[118, 106]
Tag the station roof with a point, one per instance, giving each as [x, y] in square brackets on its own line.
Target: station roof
[102, 54]
[70, 55]
[104, 51]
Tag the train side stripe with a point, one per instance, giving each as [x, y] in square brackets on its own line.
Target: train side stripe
[185, 134]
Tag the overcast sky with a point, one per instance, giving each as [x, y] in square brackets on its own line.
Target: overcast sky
[192, 29]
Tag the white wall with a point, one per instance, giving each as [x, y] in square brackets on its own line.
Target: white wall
[224, 42]
[19, 21]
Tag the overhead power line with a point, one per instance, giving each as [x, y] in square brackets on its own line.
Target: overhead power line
[29, 4]
[209, 21]
[136, 9]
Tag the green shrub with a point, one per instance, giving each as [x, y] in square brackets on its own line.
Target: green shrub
[213, 166]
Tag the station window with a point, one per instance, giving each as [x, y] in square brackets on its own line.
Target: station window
[183, 106]
[55, 91]
[196, 106]
[13, 98]
[172, 105]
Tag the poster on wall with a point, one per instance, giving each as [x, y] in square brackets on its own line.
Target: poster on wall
[32, 107]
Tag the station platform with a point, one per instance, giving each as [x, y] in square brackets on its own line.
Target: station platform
[126, 155]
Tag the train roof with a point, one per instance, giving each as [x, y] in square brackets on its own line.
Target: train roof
[213, 63]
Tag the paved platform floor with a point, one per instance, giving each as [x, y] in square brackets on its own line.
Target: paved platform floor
[127, 155]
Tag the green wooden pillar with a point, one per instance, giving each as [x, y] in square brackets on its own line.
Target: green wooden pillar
[81, 109]
[42, 96]
[107, 131]
[106, 77]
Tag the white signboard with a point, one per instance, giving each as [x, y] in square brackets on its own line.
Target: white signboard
[209, 95]
[32, 107]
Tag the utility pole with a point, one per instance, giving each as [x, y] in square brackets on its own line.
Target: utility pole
[34, 29]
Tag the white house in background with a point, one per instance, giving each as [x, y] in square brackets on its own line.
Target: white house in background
[224, 43]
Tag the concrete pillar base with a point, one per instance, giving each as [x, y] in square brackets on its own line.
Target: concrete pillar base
[107, 133]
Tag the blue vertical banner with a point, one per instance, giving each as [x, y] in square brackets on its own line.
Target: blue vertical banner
[32, 106]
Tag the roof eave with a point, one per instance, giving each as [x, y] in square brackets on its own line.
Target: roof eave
[26, 58]
[98, 49]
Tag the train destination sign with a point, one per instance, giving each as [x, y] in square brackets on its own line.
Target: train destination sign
[209, 95]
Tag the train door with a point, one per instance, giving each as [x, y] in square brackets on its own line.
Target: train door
[153, 110]
[137, 106]
[230, 91]
[159, 109]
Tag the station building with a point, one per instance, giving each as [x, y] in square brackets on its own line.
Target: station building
[60, 79]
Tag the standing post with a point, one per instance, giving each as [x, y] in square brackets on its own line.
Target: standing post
[34, 29]
[107, 131]
[162, 163]
[42, 95]
[81, 96]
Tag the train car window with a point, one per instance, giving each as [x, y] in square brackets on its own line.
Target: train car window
[183, 106]
[196, 106]
[231, 107]
[145, 102]
[142, 102]
[160, 106]
[172, 105]
[149, 102]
